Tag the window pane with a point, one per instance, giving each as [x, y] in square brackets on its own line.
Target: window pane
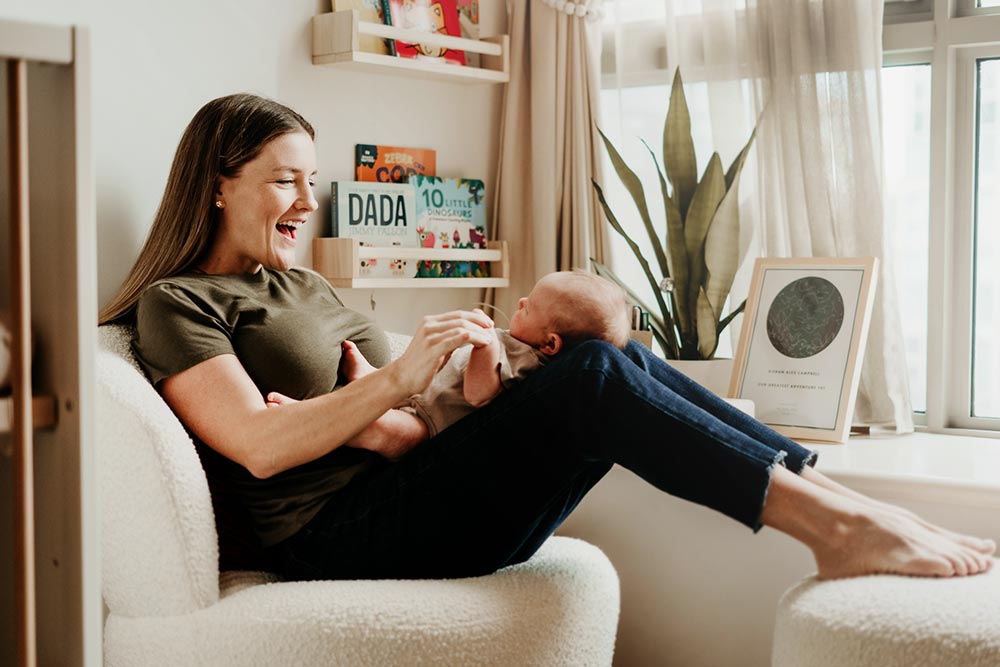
[906, 107]
[988, 3]
[986, 307]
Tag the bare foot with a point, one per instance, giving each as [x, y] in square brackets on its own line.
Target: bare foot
[353, 364]
[391, 435]
[983, 546]
[886, 542]
[851, 538]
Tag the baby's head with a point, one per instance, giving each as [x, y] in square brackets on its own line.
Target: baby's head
[568, 307]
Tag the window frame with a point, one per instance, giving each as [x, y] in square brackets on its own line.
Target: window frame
[951, 42]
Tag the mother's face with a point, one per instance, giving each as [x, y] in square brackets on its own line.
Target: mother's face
[264, 206]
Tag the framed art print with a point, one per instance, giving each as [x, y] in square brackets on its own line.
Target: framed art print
[802, 342]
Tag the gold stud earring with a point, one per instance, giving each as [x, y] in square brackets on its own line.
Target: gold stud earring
[218, 204]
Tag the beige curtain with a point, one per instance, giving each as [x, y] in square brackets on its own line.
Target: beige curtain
[545, 206]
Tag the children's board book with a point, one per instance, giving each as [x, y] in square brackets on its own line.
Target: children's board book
[376, 214]
[440, 16]
[369, 11]
[392, 164]
[451, 213]
[468, 21]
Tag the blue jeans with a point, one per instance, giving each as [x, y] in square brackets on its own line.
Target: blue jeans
[488, 491]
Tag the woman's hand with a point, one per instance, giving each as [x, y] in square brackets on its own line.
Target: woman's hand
[436, 338]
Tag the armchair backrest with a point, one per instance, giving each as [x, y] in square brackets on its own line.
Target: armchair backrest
[159, 545]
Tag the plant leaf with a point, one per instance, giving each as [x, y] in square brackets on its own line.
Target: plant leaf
[729, 318]
[737, 166]
[678, 147]
[634, 187]
[653, 283]
[708, 339]
[666, 198]
[703, 206]
[679, 265]
[723, 250]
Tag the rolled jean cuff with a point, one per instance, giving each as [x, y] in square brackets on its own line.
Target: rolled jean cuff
[798, 457]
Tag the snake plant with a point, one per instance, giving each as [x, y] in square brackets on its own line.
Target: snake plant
[698, 261]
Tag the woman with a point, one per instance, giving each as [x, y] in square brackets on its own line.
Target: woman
[223, 320]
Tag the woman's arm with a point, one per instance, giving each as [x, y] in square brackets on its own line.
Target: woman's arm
[218, 401]
[482, 380]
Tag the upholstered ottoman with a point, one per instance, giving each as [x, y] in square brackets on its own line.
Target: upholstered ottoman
[890, 621]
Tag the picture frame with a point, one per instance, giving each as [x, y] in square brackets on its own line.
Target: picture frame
[802, 342]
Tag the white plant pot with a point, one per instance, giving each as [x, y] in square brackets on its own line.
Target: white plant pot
[713, 374]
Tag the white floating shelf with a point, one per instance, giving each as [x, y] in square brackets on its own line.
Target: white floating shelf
[336, 41]
[43, 412]
[338, 260]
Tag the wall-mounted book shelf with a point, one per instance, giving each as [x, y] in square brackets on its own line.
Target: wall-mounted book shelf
[43, 412]
[336, 41]
[338, 260]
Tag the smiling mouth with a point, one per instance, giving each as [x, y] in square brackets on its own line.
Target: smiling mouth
[289, 231]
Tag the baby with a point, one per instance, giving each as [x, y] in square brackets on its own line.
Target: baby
[563, 310]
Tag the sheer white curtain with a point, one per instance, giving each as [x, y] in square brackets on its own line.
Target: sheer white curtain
[810, 71]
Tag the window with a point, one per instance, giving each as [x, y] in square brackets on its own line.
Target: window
[906, 109]
[986, 290]
[941, 152]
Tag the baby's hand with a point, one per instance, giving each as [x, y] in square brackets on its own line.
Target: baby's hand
[353, 364]
[274, 399]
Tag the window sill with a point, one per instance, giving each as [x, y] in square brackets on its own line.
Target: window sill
[943, 468]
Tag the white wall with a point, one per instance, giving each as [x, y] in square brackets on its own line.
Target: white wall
[156, 63]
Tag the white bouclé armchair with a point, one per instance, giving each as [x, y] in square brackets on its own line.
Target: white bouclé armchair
[168, 604]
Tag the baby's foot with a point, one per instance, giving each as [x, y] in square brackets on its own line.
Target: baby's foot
[877, 541]
[353, 364]
[274, 399]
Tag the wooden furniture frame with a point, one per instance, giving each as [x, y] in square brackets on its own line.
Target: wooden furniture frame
[53, 301]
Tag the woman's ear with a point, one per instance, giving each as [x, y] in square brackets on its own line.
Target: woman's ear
[553, 343]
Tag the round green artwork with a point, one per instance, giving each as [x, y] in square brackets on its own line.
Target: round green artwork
[805, 317]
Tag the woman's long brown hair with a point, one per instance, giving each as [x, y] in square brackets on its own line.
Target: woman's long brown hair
[223, 136]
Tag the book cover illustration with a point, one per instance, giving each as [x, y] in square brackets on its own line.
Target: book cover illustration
[468, 22]
[440, 16]
[451, 213]
[369, 11]
[380, 215]
[392, 164]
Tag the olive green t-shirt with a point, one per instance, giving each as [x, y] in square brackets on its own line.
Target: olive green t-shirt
[285, 327]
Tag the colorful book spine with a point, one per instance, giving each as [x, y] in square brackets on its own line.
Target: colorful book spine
[451, 213]
[434, 16]
[392, 164]
[468, 21]
[376, 214]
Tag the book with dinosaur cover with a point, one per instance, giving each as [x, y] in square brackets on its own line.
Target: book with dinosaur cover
[438, 16]
[392, 164]
[451, 213]
[369, 11]
[376, 214]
